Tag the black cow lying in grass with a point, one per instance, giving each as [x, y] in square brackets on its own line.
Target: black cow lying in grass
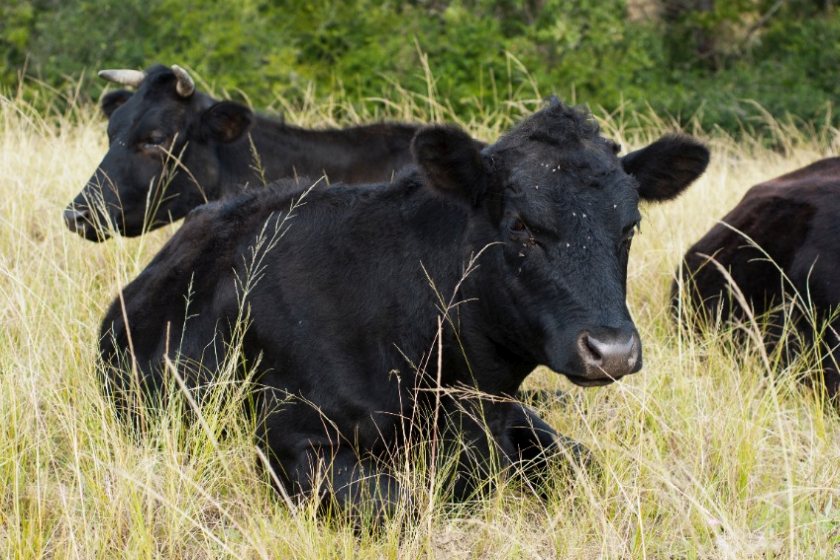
[781, 240]
[173, 148]
[520, 250]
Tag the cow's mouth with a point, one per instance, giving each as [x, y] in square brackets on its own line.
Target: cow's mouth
[582, 381]
[89, 231]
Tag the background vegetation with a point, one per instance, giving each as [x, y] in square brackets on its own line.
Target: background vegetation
[687, 58]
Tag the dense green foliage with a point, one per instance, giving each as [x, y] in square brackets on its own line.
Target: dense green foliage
[686, 58]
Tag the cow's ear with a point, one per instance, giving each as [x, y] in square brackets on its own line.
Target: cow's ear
[113, 99]
[451, 161]
[226, 121]
[665, 168]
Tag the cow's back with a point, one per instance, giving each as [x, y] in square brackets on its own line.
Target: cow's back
[182, 305]
[786, 225]
[344, 310]
[315, 285]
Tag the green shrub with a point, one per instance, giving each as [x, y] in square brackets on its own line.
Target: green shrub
[479, 53]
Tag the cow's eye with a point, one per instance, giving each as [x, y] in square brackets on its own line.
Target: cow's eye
[153, 142]
[628, 233]
[518, 225]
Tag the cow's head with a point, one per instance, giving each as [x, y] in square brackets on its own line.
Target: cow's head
[162, 160]
[560, 209]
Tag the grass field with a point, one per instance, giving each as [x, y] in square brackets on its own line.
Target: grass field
[702, 455]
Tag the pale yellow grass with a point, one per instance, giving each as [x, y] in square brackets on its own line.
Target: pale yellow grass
[701, 455]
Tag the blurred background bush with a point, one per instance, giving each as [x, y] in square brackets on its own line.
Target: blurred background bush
[714, 62]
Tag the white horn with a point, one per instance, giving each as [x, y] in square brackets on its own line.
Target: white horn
[124, 77]
[185, 86]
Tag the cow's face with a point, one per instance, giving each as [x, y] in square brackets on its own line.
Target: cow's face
[162, 159]
[561, 209]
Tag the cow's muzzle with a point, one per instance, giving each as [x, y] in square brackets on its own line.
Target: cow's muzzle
[607, 354]
[80, 221]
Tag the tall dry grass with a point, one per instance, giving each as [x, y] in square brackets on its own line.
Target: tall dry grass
[705, 454]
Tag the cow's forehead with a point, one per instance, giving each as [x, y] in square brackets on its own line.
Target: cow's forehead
[608, 188]
[149, 110]
[553, 185]
[590, 155]
[581, 166]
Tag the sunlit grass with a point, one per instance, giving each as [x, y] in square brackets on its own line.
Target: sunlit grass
[705, 454]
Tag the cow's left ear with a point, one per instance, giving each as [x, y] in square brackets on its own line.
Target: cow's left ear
[226, 121]
[665, 168]
[451, 161]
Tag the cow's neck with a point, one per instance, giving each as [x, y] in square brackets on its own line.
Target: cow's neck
[274, 150]
[497, 367]
[496, 364]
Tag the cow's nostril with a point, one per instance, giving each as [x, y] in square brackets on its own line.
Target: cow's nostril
[592, 345]
[76, 219]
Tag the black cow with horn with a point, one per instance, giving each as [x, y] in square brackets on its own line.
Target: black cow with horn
[173, 148]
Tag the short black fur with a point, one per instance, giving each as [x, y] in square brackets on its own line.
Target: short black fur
[223, 149]
[345, 316]
[793, 220]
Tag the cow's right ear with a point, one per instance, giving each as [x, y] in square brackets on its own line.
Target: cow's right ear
[451, 161]
[112, 101]
[226, 121]
[665, 168]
